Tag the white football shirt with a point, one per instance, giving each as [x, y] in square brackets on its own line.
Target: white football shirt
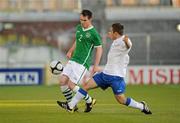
[118, 58]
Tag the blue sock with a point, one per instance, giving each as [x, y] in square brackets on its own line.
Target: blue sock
[134, 104]
[128, 101]
[83, 92]
[87, 98]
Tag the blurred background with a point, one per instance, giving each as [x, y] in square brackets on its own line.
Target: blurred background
[35, 32]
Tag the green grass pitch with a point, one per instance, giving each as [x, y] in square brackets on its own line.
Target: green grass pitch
[37, 104]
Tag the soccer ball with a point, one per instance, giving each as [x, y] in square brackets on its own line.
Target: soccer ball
[56, 67]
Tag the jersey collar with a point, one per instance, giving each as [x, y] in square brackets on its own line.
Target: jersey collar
[87, 28]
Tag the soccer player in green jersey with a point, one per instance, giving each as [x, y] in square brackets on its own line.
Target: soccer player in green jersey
[87, 38]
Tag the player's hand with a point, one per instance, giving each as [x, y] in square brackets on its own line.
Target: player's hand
[95, 69]
[126, 38]
[69, 54]
[126, 41]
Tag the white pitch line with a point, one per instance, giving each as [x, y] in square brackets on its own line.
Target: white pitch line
[2, 101]
[26, 103]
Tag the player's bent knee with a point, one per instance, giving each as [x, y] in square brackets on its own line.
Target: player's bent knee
[63, 80]
[89, 85]
[85, 87]
[121, 99]
[71, 85]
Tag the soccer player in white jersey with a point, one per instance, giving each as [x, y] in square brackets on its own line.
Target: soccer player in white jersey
[112, 75]
[80, 56]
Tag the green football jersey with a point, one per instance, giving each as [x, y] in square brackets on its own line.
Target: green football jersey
[86, 40]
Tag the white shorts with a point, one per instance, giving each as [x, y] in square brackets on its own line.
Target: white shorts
[74, 71]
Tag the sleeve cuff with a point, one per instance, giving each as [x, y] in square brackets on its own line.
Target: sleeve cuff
[98, 46]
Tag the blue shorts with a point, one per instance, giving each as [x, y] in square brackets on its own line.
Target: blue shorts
[104, 81]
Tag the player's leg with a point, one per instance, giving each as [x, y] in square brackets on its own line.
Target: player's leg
[121, 98]
[70, 107]
[66, 91]
[118, 87]
[97, 81]
[77, 71]
[82, 94]
[133, 103]
[64, 78]
[65, 105]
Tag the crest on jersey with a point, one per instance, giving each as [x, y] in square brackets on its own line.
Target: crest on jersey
[88, 35]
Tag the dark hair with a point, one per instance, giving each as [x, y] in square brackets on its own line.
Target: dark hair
[87, 13]
[117, 27]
